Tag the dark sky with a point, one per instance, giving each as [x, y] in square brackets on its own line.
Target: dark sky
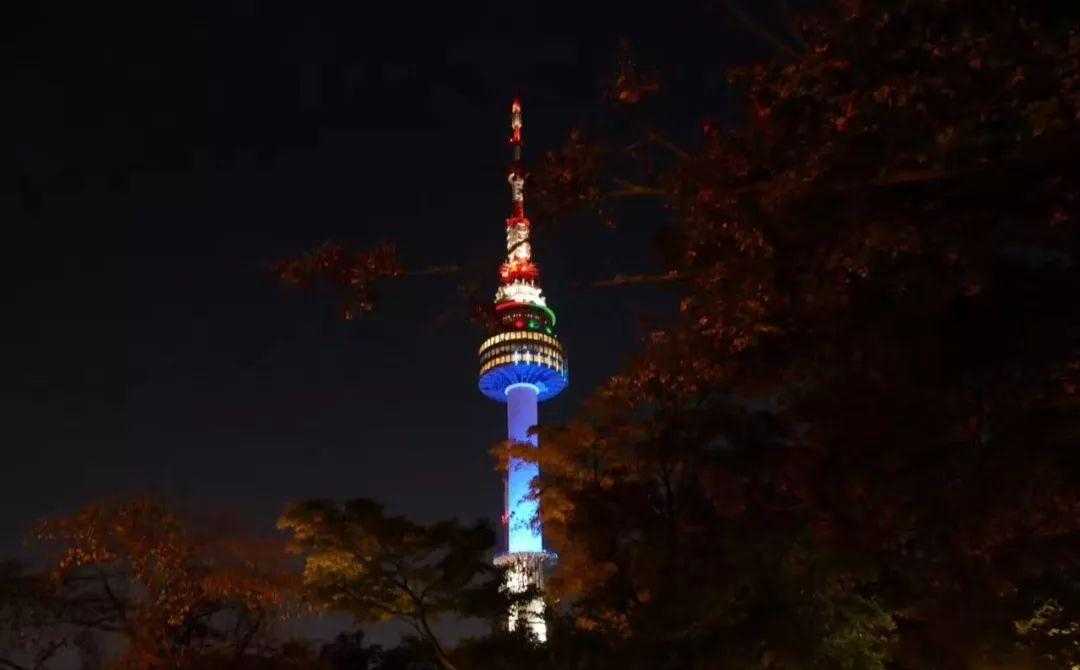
[166, 154]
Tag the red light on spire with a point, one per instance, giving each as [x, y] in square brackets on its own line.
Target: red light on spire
[515, 124]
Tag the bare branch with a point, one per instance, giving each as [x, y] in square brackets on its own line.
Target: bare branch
[755, 27]
[661, 141]
[434, 271]
[625, 280]
[631, 190]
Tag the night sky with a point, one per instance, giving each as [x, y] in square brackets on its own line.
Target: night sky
[165, 156]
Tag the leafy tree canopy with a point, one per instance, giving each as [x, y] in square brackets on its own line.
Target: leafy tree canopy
[378, 567]
[855, 447]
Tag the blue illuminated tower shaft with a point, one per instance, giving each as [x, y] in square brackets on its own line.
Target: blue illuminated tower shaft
[522, 534]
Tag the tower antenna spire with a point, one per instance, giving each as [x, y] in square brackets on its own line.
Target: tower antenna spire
[518, 265]
[517, 173]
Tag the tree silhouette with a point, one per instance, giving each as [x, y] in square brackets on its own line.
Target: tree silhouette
[376, 567]
[179, 593]
[856, 443]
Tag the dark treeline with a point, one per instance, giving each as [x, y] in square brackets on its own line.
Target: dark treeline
[856, 446]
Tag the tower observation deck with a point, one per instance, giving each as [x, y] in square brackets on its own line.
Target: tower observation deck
[522, 363]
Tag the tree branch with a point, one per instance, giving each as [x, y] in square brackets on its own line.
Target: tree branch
[624, 280]
[434, 271]
[46, 654]
[661, 141]
[249, 635]
[631, 190]
[755, 27]
[121, 607]
[430, 635]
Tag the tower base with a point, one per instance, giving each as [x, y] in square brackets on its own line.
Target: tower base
[524, 572]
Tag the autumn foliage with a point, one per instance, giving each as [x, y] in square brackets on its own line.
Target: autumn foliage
[177, 593]
[351, 274]
[856, 446]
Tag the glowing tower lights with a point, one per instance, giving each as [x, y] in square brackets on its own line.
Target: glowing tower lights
[522, 364]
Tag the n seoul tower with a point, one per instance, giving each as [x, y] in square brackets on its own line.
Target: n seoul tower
[522, 364]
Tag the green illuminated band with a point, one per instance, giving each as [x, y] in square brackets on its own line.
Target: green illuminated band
[508, 305]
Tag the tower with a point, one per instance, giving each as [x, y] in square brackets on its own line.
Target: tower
[522, 364]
